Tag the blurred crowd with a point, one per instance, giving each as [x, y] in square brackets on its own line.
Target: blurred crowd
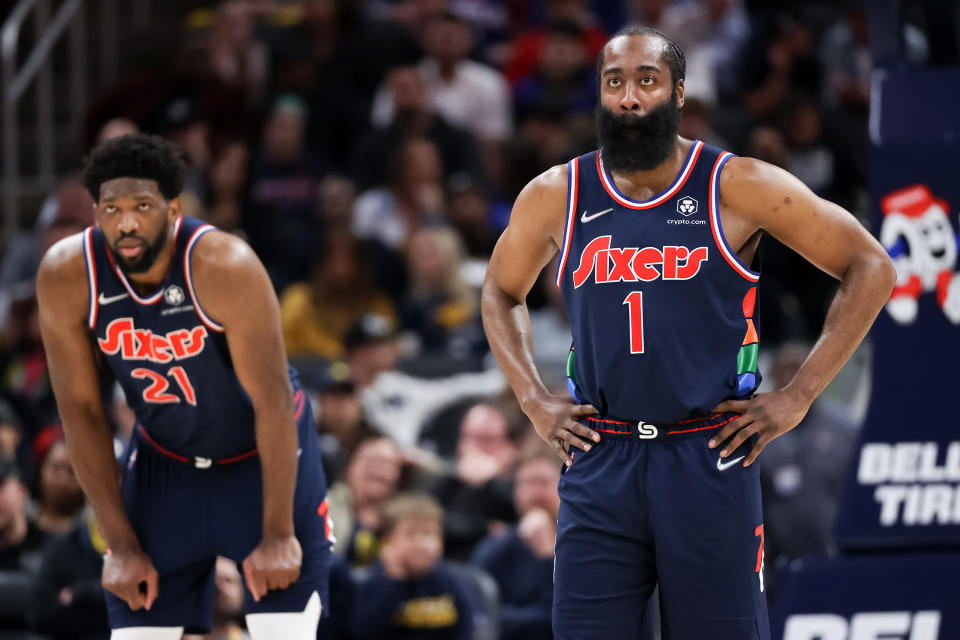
[370, 153]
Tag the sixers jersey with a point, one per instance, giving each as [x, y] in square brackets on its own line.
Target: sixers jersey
[170, 358]
[661, 308]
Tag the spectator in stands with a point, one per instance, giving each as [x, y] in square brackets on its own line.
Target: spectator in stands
[341, 423]
[408, 114]
[779, 61]
[227, 181]
[521, 559]
[11, 434]
[564, 81]
[466, 93]
[183, 124]
[58, 498]
[766, 143]
[228, 603]
[284, 178]
[409, 593]
[232, 53]
[23, 366]
[356, 502]
[441, 310]
[21, 547]
[476, 219]
[322, 57]
[68, 601]
[317, 314]
[550, 331]
[372, 349]
[803, 473]
[414, 198]
[845, 56]
[697, 123]
[711, 34]
[115, 128]
[335, 212]
[477, 497]
[808, 157]
[336, 200]
[65, 212]
[528, 48]
[399, 403]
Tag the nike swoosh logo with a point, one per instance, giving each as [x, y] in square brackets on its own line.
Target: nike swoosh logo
[586, 218]
[105, 300]
[721, 465]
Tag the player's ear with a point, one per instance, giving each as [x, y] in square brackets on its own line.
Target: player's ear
[679, 91]
[174, 208]
[96, 216]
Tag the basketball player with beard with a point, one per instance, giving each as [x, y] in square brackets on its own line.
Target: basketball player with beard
[224, 460]
[657, 239]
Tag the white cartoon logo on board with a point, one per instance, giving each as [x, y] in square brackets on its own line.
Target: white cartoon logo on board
[917, 234]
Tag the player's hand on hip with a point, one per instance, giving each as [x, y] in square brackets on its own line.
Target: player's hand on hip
[766, 414]
[131, 576]
[555, 419]
[274, 564]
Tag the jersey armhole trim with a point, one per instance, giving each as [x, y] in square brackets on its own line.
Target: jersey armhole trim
[721, 241]
[91, 277]
[188, 276]
[573, 181]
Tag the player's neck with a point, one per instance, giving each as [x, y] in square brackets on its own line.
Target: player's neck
[150, 280]
[642, 185]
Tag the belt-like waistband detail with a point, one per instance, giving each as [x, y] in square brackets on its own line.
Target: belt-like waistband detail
[642, 430]
[197, 461]
[299, 400]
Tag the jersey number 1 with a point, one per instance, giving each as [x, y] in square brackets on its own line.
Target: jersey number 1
[634, 303]
[156, 393]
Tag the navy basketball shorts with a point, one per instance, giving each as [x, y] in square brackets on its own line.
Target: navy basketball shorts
[187, 512]
[638, 511]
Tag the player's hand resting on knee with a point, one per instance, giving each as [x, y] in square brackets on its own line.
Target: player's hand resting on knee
[130, 576]
[555, 419]
[274, 564]
[767, 414]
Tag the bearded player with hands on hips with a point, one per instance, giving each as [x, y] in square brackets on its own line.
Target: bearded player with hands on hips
[223, 460]
[657, 239]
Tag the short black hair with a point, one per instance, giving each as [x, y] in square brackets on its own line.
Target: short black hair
[135, 156]
[672, 54]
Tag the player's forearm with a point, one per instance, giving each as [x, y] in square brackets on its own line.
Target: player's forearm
[92, 455]
[277, 446]
[864, 289]
[506, 322]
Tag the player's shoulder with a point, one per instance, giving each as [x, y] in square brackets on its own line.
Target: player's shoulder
[61, 276]
[221, 252]
[64, 261]
[750, 174]
[550, 187]
[553, 178]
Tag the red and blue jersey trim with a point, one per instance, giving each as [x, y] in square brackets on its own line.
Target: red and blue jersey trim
[207, 320]
[721, 241]
[157, 295]
[678, 181]
[573, 180]
[91, 276]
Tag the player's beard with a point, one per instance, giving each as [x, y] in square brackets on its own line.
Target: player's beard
[637, 143]
[147, 258]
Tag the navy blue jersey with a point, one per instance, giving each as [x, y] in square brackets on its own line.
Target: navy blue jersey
[170, 358]
[660, 307]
